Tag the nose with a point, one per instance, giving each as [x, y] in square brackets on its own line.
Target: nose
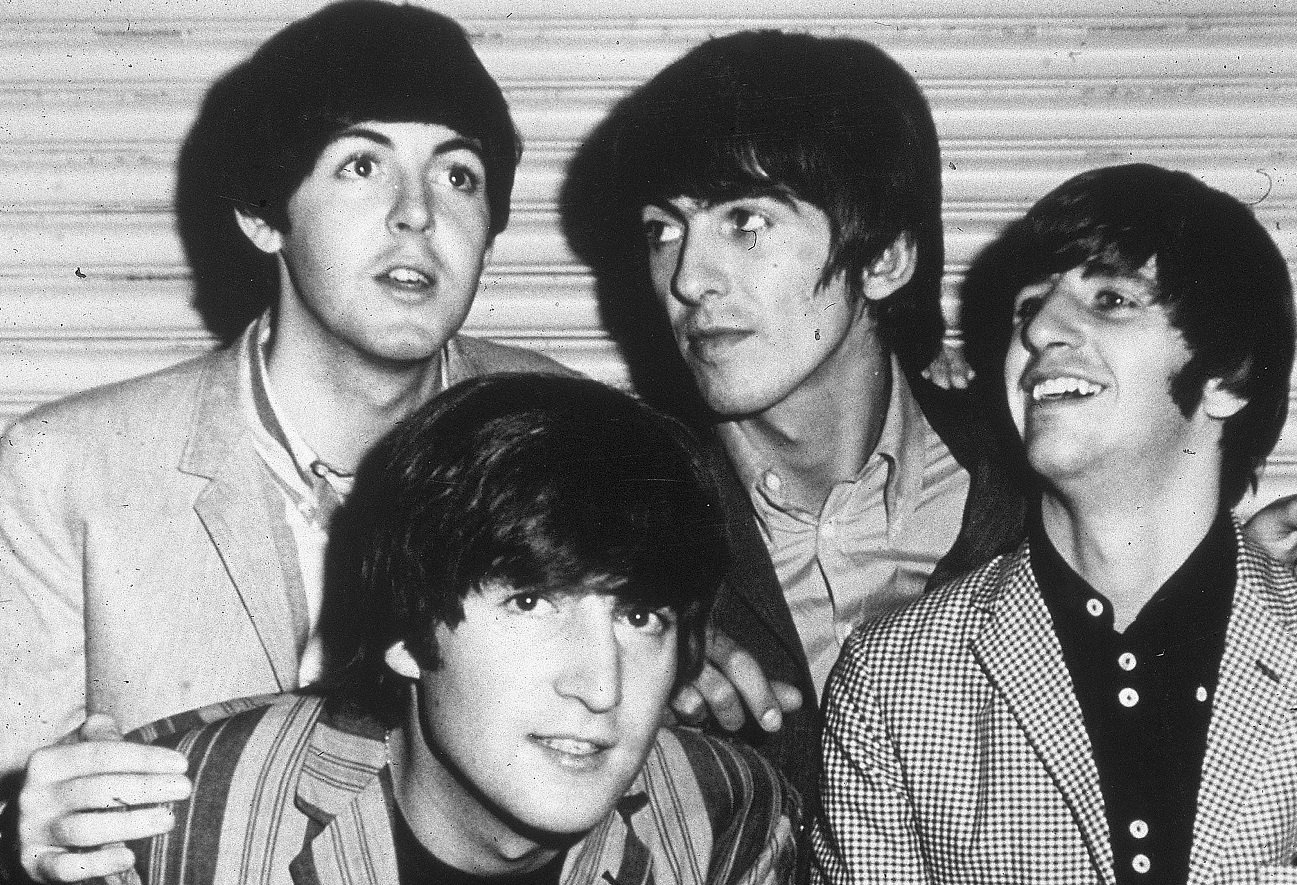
[411, 206]
[697, 273]
[591, 671]
[1053, 322]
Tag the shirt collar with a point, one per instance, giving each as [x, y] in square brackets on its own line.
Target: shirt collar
[1199, 592]
[270, 420]
[902, 444]
[273, 425]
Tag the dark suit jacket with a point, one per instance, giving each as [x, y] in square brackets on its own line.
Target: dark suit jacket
[751, 607]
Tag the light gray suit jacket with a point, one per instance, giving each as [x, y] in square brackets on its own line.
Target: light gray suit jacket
[145, 567]
[955, 750]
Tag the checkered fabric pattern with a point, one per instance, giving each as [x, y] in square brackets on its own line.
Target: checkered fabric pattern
[955, 751]
[289, 789]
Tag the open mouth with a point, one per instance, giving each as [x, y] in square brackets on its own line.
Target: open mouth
[571, 746]
[406, 278]
[1062, 388]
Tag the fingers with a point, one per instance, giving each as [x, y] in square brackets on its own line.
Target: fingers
[81, 800]
[789, 698]
[690, 705]
[62, 763]
[1274, 527]
[113, 792]
[949, 368]
[97, 829]
[733, 686]
[53, 865]
[724, 701]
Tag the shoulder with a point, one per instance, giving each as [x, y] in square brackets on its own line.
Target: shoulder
[732, 777]
[267, 772]
[483, 357]
[222, 732]
[753, 814]
[125, 410]
[929, 633]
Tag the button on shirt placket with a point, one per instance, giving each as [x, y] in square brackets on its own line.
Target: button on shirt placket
[873, 544]
[1144, 696]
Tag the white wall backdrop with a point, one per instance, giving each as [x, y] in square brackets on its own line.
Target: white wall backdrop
[95, 97]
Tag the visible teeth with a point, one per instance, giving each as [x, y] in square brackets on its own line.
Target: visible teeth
[571, 746]
[407, 275]
[1054, 387]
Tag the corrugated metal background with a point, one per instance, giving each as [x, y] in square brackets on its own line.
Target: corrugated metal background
[95, 96]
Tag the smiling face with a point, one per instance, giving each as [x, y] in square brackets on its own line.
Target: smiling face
[544, 706]
[741, 284]
[386, 240]
[1088, 377]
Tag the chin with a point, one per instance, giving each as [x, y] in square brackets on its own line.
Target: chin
[404, 353]
[560, 817]
[729, 402]
[1059, 464]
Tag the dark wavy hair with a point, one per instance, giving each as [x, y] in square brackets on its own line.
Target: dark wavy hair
[1223, 282]
[263, 125]
[539, 482]
[833, 121]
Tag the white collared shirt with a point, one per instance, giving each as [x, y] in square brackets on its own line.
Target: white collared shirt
[291, 460]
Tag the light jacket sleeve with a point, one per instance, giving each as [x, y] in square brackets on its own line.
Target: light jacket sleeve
[42, 633]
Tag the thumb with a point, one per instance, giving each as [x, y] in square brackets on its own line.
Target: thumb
[99, 727]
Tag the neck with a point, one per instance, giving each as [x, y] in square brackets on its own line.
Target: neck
[1127, 549]
[823, 433]
[341, 403]
[450, 822]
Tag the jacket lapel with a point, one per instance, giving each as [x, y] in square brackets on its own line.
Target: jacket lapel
[1024, 662]
[354, 848]
[341, 790]
[751, 578]
[1255, 697]
[235, 510]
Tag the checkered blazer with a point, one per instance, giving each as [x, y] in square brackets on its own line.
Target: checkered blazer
[292, 788]
[955, 751]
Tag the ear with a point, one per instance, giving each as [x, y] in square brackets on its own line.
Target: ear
[1219, 402]
[401, 662]
[259, 232]
[892, 270]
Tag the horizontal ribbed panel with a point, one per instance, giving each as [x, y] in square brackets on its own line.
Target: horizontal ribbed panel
[94, 97]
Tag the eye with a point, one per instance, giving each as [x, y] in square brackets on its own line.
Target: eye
[659, 233]
[359, 166]
[646, 619]
[1110, 299]
[463, 178]
[528, 602]
[1026, 308]
[749, 222]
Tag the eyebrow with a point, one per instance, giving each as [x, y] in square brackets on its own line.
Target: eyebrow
[777, 192]
[456, 143]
